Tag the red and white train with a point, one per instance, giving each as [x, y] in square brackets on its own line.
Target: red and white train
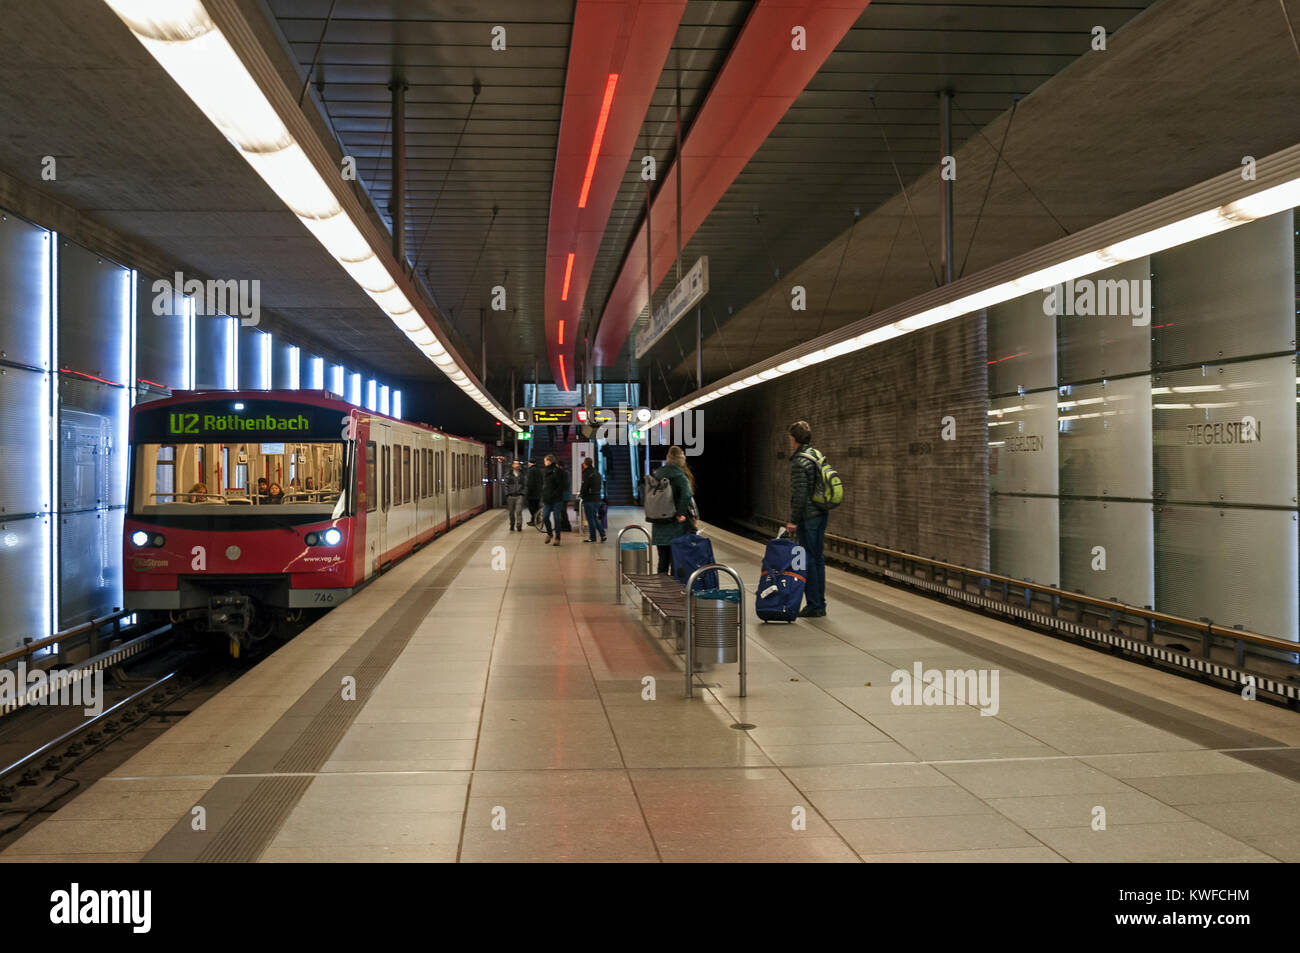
[247, 508]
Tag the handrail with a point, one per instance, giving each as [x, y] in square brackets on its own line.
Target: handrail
[1209, 628]
[618, 557]
[690, 634]
[63, 636]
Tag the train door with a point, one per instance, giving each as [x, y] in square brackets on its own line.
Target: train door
[377, 528]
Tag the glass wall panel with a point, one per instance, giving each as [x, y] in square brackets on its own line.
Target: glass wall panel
[1226, 433]
[24, 292]
[1107, 550]
[1023, 444]
[1105, 438]
[94, 301]
[1024, 539]
[1113, 344]
[1229, 295]
[1234, 566]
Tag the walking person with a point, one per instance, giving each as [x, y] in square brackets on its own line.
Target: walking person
[807, 519]
[514, 490]
[590, 491]
[553, 488]
[678, 474]
[533, 493]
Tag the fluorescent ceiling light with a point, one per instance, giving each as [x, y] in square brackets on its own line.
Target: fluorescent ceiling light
[185, 41]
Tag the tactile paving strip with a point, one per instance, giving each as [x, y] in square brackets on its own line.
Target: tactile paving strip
[244, 814]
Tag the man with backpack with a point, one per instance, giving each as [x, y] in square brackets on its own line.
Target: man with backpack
[814, 489]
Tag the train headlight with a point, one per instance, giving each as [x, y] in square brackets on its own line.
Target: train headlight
[332, 537]
[140, 538]
[158, 540]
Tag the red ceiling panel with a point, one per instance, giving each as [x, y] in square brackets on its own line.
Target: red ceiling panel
[629, 39]
[762, 77]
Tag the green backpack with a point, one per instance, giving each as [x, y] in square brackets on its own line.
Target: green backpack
[830, 488]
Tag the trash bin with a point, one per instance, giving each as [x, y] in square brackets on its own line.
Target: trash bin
[635, 559]
[715, 625]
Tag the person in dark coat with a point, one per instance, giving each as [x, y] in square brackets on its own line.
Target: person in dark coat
[533, 493]
[679, 475]
[591, 493]
[554, 485]
[807, 519]
[513, 485]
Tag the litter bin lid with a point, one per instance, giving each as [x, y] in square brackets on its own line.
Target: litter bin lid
[633, 546]
[730, 595]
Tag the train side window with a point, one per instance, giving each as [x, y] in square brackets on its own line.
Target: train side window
[428, 473]
[442, 470]
[406, 474]
[383, 482]
[371, 485]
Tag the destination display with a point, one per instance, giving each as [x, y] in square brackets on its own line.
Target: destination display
[252, 421]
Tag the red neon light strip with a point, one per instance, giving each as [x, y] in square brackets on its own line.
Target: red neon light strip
[564, 378]
[90, 377]
[561, 341]
[599, 138]
[568, 273]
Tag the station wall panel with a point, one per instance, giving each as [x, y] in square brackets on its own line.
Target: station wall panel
[92, 444]
[24, 443]
[94, 304]
[1107, 550]
[25, 589]
[1229, 295]
[160, 338]
[284, 365]
[90, 570]
[1205, 419]
[1023, 451]
[1104, 433]
[1097, 346]
[1232, 565]
[1021, 345]
[252, 359]
[1024, 538]
[214, 359]
[24, 292]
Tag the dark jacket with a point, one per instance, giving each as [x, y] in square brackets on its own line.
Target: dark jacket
[661, 534]
[590, 489]
[803, 481]
[533, 482]
[513, 484]
[554, 483]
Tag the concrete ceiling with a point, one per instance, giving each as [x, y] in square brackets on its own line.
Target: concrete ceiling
[1173, 100]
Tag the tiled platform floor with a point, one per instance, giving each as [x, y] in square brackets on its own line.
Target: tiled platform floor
[511, 726]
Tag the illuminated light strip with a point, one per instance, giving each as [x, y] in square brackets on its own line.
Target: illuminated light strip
[189, 46]
[598, 138]
[1267, 201]
[568, 273]
[564, 378]
[561, 340]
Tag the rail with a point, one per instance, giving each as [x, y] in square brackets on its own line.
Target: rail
[1025, 599]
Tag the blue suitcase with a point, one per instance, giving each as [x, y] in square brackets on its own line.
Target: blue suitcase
[690, 552]
[780, 588]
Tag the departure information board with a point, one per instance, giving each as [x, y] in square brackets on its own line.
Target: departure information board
[553, 415]
[566, 416]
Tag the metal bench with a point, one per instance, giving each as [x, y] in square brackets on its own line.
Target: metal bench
[663, 596]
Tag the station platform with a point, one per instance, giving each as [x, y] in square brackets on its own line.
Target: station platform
[499, 716]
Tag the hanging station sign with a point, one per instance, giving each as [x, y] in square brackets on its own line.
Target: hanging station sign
[688, 293]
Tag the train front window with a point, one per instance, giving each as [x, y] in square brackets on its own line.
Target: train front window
[307, 479]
